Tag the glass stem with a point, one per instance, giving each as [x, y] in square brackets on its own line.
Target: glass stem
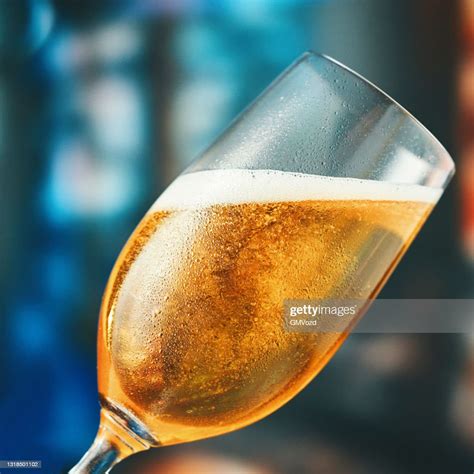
[100, 458]
[113, 443]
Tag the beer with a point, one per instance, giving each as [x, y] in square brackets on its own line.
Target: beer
[191, 337]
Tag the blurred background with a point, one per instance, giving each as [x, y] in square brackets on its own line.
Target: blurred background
[102, 103]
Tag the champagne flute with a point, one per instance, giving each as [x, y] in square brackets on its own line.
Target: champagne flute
[315, 191]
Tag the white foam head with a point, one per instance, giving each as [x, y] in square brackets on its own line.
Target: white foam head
[237, 186]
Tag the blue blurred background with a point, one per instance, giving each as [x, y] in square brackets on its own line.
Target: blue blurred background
[102, 103]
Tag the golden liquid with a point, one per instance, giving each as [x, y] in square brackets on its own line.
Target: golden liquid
[191, 338]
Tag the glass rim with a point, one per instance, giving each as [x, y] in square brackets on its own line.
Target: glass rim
[446, 161]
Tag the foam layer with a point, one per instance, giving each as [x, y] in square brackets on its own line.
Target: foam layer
[237, 186]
